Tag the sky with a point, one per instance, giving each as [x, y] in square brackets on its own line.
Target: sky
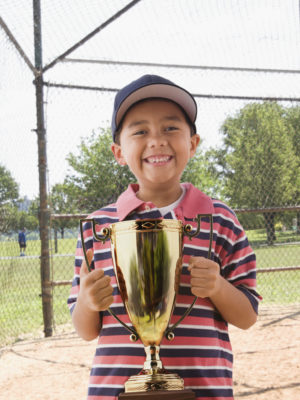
[219, 33]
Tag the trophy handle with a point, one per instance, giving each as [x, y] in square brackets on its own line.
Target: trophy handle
[99, 238]
[105, 235]
[187, 231]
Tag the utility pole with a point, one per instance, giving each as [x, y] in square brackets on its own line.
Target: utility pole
[44, 212]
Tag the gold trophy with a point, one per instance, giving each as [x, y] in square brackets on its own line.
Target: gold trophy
[147, 259]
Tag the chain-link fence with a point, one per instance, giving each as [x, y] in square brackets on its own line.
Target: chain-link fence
[20, 296]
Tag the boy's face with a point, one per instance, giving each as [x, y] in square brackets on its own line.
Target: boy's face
[156, 143]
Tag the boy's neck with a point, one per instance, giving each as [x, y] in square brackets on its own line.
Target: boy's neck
[162, 197]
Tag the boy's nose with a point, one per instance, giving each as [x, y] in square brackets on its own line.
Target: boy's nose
[157, 140]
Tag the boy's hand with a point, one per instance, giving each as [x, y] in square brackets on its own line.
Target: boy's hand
[95, 288]
[205, 277]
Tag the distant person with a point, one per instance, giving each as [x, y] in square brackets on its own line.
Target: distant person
[22, 242]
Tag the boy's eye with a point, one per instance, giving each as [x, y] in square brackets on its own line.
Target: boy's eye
[171, 128]
[141, 132]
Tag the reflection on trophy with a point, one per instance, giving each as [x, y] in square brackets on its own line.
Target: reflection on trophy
[147, 262]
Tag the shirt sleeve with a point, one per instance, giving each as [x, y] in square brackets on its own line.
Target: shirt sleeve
[237, 258]
[79, 256]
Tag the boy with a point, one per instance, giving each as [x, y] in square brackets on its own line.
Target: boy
[153, 128]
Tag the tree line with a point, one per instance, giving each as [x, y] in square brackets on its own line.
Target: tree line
[256, 165]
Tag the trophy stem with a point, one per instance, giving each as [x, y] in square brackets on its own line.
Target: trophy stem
[153, 363]
[153, 376]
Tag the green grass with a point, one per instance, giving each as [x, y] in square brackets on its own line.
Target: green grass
[20, 287]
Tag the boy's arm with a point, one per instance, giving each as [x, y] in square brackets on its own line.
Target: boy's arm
[95, 295]
[233, 304]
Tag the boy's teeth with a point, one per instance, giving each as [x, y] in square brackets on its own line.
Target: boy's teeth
[158, 159]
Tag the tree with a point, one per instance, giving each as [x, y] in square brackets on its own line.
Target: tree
[257, 160]
[9, 193]
[201, 173]
[9, 189]
[292, 117]
[62, 203]
[98, 179]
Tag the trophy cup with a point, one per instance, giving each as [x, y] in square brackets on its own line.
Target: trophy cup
[147, 259]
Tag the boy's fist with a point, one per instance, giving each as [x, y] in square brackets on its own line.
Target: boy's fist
[95, 288]
[205, 277]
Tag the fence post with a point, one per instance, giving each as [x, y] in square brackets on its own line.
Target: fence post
[44, 213]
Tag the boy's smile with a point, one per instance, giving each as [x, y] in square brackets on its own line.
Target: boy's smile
[156, 144]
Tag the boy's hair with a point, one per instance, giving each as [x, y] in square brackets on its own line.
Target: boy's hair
[149, 87]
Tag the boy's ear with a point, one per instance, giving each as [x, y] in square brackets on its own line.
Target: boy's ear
[117, 152]
[195, 140]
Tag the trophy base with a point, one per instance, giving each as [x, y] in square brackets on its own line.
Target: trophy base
[159, 394]
[145, 382]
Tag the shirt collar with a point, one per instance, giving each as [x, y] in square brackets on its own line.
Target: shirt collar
[128, 201]
[194, 202]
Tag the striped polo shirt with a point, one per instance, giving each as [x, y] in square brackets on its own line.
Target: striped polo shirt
[201, 351]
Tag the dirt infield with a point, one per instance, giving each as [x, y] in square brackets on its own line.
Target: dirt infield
[267, 362]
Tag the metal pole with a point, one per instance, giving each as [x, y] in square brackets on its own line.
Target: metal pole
[44, 214]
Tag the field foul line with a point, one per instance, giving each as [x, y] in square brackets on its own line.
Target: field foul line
[27, 257]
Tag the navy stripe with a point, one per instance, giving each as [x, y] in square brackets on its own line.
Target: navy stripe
[94, 391]
[188, 251]
[117, 310]
[122, 351]
[109, 209]
[165, 352]
[223, 206]
[234, 265]
[78, 262]
[240, 245]
[227, 224]
[223, 242]
[117, 330]
[101, 220]
[252, 300]
[100, 371]
[106, 255]
[203, 373]
[76, 281]
[202, 353]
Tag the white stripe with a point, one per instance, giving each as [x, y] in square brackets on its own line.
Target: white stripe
[118, 365]
[209, 328]
[88, 238]
[241, 275]
[235, 261]
[123, 345]
[228, 219]
[192, 246]
[200, 367]
[102, 251]
[116, 305]
[195, 306]
[108, 268]
[193, 347]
